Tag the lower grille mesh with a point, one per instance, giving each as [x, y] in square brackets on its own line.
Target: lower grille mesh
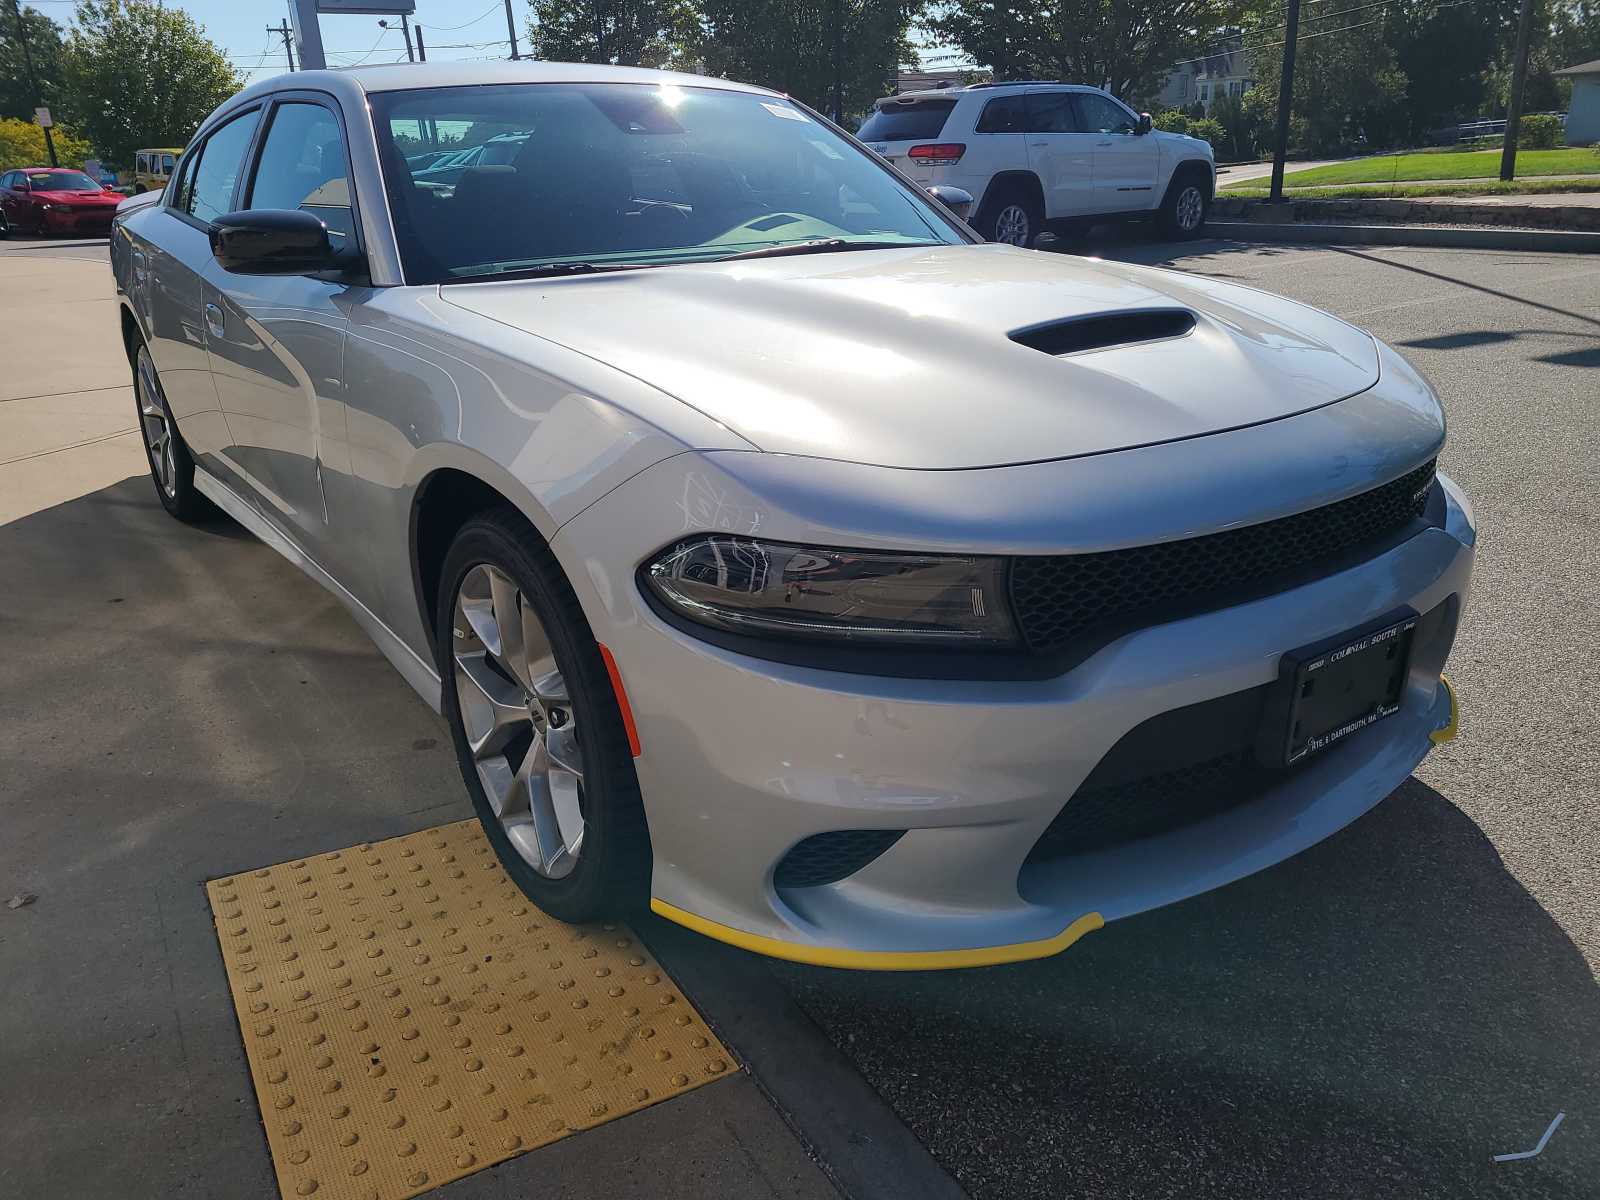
[829, 857]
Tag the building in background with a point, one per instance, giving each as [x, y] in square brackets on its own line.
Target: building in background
[916, 79]
[1583, 114]
[1224, 71]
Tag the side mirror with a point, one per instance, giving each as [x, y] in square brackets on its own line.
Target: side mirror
[272, 241]
[1145, 125]
[957, 200]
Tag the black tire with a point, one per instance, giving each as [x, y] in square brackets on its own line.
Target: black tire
[1184, 208]
[612, 874]
[5, 227]
[1012, 202]
[174, 483]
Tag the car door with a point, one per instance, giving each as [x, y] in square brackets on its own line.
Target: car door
[167, 264]
[277, 341]
[1060, 153]
[1126, 162]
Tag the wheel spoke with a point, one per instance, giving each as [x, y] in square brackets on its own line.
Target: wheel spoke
[491, 709]
[505, 601]
[562, 747]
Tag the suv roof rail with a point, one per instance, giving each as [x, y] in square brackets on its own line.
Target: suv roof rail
[1015, 83]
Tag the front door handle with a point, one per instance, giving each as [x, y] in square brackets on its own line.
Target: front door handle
[214, 321]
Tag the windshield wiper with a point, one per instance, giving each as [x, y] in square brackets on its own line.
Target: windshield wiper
[548, 271]
[820, 246]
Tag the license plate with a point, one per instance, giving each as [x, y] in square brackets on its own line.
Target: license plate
[1341, 689]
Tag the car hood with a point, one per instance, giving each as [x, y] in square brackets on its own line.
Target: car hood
[76, 197]
[905, 357]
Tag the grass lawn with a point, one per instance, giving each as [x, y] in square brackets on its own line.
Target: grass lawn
[1459, 164]
[1252, 190]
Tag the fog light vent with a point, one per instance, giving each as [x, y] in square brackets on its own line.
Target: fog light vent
[829, 857]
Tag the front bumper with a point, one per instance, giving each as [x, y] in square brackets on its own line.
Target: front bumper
[742, 759]
[97, 221]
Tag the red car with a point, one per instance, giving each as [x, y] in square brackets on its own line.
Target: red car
[54, 200]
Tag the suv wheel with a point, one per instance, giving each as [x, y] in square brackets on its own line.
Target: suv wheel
[1183, 209]
[1014, 218]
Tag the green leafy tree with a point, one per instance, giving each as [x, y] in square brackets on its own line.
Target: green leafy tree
[634, 33]
[22, 145]
[1234, 142]
[143, 75]
[17, 97]
[1171, 120]
[1124, 46]
[789, 45]
[1349, 94]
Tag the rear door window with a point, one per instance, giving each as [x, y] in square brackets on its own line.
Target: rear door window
[1052, 112]
[906, 122]
[1003, 114]
[221, 160]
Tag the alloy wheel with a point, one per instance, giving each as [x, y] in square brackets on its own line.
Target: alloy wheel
[1012, 226]
[1190, 206]
[157, 429]
[520, 725]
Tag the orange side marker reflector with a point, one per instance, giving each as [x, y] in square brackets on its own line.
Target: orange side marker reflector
[622, 699]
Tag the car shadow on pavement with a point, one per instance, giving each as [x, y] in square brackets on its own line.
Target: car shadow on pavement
[1379, 1016]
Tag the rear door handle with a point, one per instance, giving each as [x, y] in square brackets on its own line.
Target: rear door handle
[214, 321]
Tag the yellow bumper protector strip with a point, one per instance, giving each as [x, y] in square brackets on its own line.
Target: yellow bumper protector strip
[881, 960]
[1440, 736]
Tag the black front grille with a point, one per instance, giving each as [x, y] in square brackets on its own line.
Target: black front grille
[1060, 600]
[829, 857]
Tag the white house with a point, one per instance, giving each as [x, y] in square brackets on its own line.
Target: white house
[1583, 114]
[1225, 71]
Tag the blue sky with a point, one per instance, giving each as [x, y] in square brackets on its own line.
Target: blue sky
[453, 29]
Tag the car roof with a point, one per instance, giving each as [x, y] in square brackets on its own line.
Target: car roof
[389, 77]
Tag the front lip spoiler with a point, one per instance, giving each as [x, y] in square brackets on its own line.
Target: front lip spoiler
[881, 960]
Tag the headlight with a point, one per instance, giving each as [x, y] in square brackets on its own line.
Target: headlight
[47, 207]
[865, 596]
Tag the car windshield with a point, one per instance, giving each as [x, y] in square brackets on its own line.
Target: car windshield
[607, 175]
[62, 181]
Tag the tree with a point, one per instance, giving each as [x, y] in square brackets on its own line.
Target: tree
[22, 145]
[633, 33]
[1348, 93]
[143, 75]
[1124, 46]
[17, 97]
[789, 45]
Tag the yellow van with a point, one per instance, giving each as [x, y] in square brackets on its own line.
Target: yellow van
[152, 168]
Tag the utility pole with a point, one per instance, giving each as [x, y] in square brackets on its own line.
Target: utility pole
[282, 30]
[511, 28]
[1519, 75]
[405, 32]
[422, 51]
[838, 69]
[1280, 143]
[33, 78]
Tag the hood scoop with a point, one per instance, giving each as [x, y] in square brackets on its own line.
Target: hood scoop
[1099, 331]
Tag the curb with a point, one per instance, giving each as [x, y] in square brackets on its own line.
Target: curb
[1560, 241]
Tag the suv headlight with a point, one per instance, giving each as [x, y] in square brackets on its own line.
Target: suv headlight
[878, 597]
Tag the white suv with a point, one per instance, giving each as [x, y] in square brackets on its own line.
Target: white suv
[1036, 152]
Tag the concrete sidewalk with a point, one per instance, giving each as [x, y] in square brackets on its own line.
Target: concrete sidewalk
[68, 426]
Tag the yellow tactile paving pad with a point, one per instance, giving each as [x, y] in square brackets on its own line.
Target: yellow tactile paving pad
[410, 1017]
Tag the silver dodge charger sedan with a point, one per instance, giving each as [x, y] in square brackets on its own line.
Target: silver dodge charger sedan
[781, 556]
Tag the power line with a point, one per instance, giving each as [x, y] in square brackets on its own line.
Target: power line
[452, 28]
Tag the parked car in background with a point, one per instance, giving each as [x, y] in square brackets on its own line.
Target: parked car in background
[1036, 152]
[152, 168]
[53, 200]
[498, 151]
[780, 555]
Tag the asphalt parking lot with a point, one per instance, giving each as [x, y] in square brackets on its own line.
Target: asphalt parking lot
[1379, 1016]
